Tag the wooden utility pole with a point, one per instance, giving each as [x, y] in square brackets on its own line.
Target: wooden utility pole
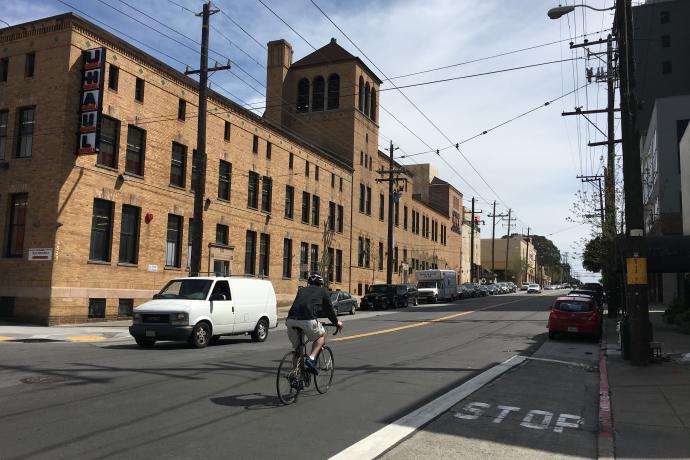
[508, 246]
[393, 195]
[527, 258]
[493, 237]
[200, 185]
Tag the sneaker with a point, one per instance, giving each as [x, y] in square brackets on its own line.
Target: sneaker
[311, 365]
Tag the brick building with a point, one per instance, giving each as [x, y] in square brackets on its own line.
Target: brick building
[97, 170]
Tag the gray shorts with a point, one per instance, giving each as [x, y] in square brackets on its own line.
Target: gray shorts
[312, 328]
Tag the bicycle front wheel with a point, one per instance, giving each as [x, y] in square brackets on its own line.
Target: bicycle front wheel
[288, 380]
[326, 366]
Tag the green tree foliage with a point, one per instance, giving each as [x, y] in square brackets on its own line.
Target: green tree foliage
[548, 254]
[591, 256]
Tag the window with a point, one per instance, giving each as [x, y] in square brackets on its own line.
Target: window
[395, 259]
[361, 94]
[222, 234]
[332, 180]
[368, 201]
[129, 234]
[318, 94]
[136, 145]
[250, 253]
[253, 190]
[306, 169]
[306, 202]
[382, 206]
[333, 92]
[226, 131]
[101, 230]
[367, 252]
[362, 197]
[330, 264]
[340, 187]
[178, 164]
[339, 219]
[666, 67]
[25, 134]
[4, 67]
[255, 144]
[113, 77]
[181, 109]
[367, 98]
[404, 217]
[303, 261]
[264, 254]
[109, 143]
[4, 116]
[414, 221]
[331, 215]
[316, 172]
[291, 161]
[287, 258]
[303, 95]
[396, 214]
[224, 180]
[665, 17]
[372, 113]
[289, 201]
[195, 170]
[361, 158]
[380, 267]
[139, 90]
[17, 227]
[314, 258]
[97, 308]
[360, 252]
[665, 41]
[269, 147]
[338, 265]
[173, 240]
[29, 64]
[125, 308]
[315, 210]
[266, 193]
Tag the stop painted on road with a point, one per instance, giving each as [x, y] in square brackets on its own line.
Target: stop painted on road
[535, 419]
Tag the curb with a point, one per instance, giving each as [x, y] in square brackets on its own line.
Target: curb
[605, 444]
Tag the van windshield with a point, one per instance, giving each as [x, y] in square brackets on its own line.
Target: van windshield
[426, 284]
[186, 289]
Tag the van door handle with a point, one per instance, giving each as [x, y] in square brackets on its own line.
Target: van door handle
[233, 309]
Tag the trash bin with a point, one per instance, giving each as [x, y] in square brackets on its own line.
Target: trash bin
[624, 328]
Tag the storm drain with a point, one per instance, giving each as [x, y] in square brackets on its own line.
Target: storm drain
[45, 379]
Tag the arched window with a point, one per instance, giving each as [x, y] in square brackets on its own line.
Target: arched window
[303, 95]
[367, 98]
[372, 115]
[333, 91]
[361, 93]
[318, 94]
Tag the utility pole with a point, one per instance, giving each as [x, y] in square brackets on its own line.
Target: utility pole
[200, 186]
[597, 179]
[473, 272]
[493, 237]
[393, 194]
[507, 245]
[637, 306]
[527, 258]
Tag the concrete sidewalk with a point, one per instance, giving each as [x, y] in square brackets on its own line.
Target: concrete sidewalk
[651, 405]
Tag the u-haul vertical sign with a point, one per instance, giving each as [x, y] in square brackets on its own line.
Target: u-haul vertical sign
[91, 101]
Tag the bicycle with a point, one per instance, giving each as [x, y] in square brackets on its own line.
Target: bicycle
[293, 376]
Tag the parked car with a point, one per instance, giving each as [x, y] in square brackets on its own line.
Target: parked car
[596, 287]
[343, 302]
[585, 293]
[534, 288]
[573, 314]
[512, 286]
[491, 289]
[412, 295]
[472, 289]
[524, 286]
[463, 293]
[200, 309]
[385, 296]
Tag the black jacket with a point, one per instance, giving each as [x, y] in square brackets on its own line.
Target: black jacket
[309, 301]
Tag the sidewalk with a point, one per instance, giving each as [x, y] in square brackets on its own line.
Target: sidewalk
[651, 404]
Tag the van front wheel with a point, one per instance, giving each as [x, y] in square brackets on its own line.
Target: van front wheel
[260, 332]
[201, 335]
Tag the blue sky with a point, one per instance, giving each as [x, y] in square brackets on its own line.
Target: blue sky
[530, 164]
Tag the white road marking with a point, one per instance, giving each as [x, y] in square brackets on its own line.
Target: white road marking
[558, 361]
[385, 438]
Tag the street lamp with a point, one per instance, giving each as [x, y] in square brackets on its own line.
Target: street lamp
[555, 13]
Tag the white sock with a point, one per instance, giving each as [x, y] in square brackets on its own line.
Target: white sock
[312, 357]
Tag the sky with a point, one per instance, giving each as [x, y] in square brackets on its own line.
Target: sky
[529, 164]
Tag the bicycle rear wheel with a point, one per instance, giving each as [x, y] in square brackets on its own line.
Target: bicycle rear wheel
[326, 366]
[288, 379]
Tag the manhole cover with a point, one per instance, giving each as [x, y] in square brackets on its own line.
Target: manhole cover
[45, 379]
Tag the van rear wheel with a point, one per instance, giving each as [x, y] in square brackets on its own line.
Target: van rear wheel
[260, 332]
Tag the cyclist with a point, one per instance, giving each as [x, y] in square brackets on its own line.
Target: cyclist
[303, 315]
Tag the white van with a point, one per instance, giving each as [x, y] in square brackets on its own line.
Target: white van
[434, 285]
[202, 309]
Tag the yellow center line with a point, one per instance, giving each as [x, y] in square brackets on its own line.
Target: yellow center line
[85, 338]
[421, 323]
[4, 338]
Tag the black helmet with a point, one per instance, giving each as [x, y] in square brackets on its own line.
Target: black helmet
[315, 280]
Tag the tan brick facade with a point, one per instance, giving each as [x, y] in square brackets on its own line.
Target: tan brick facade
[62, 187]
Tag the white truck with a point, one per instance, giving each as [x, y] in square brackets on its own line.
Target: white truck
[435, 285]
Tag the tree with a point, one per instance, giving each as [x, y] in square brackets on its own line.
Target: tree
[548, 254]
[592, 255]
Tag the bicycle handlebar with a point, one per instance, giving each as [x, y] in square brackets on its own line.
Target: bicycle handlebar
[337, 328]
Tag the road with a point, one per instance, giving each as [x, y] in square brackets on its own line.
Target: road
[114, 400]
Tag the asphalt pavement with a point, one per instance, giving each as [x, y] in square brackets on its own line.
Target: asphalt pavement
[115, 400]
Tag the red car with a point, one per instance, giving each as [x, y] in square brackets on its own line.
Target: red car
[574, 314]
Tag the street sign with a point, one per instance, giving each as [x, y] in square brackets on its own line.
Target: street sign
[636, 270]
[40, 254]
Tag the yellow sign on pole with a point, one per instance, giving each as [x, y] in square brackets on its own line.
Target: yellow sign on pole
[636, 270]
